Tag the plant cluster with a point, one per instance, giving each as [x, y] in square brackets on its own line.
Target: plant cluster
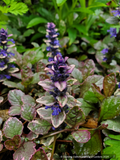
[60, 100]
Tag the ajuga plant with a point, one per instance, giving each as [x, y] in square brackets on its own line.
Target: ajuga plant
[6, 57]
[57, 99]
[77, 116]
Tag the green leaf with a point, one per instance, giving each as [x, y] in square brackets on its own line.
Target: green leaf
[39, 126]
[86, 107]
[28, 112]
[36, 21]
[1, 99]
[62, 27]
[12, 127]
[83, 57]
[88, 39]
[97, 79]
[80, 27]
[72, 48]
[26, 150]
[44, 113]
[82, 3]
[75, 117]
[15, 7]
[90, 97]
[62, 100]
[88, 68]
[100, 45]
[13, 143]
[44, 12]
[112, 20]
[103, 1]
[27, 99]
[64, 41]
[39, 154]
[72, 33]
[37, 77]
[73, 61]
[71, 81]
[108, 39]
[46, 84]
[71, 102]
[46, 100]
[32, 56]
[28, 32]
[97, 4]
[112, 149]
[82, 136]
[48, 141]
[82, 9]
[31, 136]
[14, 110]
[60, 2]
[14, 97]
[77, 74]
[13, 85]
[97, 92]
[42, 30]
[91, 148]
[8, 1]
[60, 85]
[113, 124]
[109, 84]
[27, 74]
[110, 108]
[58, 119]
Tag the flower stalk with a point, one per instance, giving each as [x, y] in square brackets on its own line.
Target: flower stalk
[6, 57]
[58, 71]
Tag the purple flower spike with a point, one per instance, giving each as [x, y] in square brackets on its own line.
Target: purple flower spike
[113, 32]
[5, 65]
[104, 51]
[116, 12]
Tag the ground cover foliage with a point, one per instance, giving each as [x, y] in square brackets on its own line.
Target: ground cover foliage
[59, 79]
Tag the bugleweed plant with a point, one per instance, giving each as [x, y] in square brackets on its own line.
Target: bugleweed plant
[62, 108]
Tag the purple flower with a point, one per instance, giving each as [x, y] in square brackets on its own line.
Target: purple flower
[104, 51]
[2, 63]
[113, 32]
[119, 85]
[105, 59]
[3, 52]
[11, 66]
[52, 39]
[11, 40]
[116, 12]
[56, 109]
[7, 76]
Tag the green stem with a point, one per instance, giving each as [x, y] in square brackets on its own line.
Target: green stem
[64, 130]
[74, 2]
[56, 8]
[55, 137]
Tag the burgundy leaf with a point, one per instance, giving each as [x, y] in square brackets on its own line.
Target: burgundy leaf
[75, 117]
[14, 143]
[39, 154]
